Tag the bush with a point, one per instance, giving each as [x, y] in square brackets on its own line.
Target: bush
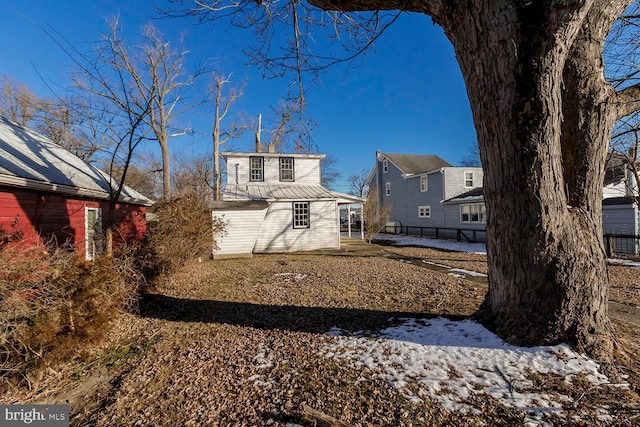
[183, 230]
[52, 302]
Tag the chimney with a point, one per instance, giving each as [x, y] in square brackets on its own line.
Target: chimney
[272, 148]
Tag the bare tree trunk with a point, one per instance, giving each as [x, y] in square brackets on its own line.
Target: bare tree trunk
[547, 272]
[217, 177]
[166, 172]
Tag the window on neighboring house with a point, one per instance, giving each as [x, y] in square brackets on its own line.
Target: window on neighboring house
[473, 213]
[483, 213]
[387, 187]
[301, 215]
[424, 211]
[286, 169]
[256, 168]
[424, 183]
[92, 232]
[468, 179]
[385, 166]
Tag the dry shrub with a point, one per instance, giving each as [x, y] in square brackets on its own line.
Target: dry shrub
[183, 230]
[53, 304]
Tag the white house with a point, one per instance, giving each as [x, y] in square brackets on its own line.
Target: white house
[274, 202]
[620, 210]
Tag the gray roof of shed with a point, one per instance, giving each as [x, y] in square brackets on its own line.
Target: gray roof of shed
[32, 161]
[412, 164]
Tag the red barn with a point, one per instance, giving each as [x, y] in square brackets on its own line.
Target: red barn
[46, 192]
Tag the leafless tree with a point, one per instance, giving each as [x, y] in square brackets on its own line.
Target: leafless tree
[375, 214]
[17, 102]
[328, 172]
[155, 73]
[472, 157]
[358, 183]
[544, 115]
[193, 174]
[223, 100]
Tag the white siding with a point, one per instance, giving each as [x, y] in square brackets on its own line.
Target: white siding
[242, 228]
[278, 235]
[454, 180]
[306, 168]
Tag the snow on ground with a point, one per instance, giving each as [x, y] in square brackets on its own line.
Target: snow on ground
[449, 360]
[624, 262]
[449, 245]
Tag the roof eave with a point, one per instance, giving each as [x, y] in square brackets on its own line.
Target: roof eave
[50, 187]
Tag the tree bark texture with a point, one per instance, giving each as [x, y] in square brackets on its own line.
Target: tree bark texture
[544, 114]
[543, 147]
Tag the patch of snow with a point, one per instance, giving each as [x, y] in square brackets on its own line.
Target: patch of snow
[624, 262]
[287, 276]
[450, 360]
[467, 272]
[262, 359]
[426, 242]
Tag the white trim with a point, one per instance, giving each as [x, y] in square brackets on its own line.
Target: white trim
[424, 211]
[470, 210]
[385, 165]
[387, 188]
[426, 183]
[92, 240]
[466, 179]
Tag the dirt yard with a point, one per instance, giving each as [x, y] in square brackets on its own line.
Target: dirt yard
[196, 354]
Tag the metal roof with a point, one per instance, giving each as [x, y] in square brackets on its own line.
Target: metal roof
[477, 194]
[30, 160]
[284, 192]
[412, 164]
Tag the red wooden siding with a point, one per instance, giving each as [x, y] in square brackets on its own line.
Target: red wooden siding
[44, 216]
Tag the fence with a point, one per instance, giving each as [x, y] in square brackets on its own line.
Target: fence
[621, 244]
[458, 234]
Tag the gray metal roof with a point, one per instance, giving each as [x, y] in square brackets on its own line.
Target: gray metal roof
[239, 205]
[30, 160]
[283, 192]
[411, 164]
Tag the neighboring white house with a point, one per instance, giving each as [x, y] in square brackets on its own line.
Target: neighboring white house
[274, 202]
[620, 211]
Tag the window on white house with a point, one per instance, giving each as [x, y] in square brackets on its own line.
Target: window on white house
[301, 215]
[387, 187]
[385, 166]
[424, 211]
[286, 169]
[473, 213]
[92, 232]
[256, 168]
[424, 183]
[468, 179]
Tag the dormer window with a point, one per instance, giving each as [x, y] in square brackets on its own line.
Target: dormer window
[286, 169]
[256, 168]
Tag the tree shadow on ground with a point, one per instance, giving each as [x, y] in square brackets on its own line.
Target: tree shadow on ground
[281, 317]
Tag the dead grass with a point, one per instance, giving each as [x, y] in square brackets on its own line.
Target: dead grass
[238, 342]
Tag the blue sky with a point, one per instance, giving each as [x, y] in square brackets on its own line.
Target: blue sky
[406, 97]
